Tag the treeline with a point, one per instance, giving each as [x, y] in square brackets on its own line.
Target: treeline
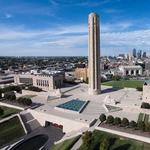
[18, 89]
[117, 121]
[11, 96]
[33, 88]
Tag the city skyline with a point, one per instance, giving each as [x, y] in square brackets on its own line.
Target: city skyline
[59, 28]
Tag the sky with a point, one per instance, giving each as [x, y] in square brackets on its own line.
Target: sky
[60, 27]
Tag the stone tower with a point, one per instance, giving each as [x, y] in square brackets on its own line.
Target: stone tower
[94, 54]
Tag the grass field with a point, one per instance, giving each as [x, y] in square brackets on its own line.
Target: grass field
[125, 83]
[66, 145]
[8, 111]
[10, 130]
[115, 142]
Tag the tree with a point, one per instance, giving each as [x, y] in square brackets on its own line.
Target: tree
[147, 126]
[132, 124]
[124, 122]
[10, 96]
[33, 88]
[110, 119]
[1, 111]
[145, 105]
[24, 101]
[102, 117]
[117, 121]
[141, 125]
[104, 145]
[116, 78]
[139, 88]
[87, 139]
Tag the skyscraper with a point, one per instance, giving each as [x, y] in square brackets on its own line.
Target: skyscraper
[94, 54]
[134, 53]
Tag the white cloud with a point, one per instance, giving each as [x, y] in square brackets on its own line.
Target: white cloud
[69, 40]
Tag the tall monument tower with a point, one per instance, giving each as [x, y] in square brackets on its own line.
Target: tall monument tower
[94, 54]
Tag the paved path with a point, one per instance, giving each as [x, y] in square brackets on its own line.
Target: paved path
[77, 144]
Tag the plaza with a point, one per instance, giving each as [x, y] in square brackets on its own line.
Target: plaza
[129, 100]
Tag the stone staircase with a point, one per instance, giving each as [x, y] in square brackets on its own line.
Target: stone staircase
[29, 121]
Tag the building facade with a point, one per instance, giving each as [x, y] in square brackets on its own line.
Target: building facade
[94, 54]
[81, 74]
[131, 70]
[43, 81]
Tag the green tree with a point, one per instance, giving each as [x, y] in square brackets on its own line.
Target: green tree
[1, 111]
[110, 119]
[145, 105]
[147, 127]
[117, 121]
[141, 125]
[10, 96]
[132, 124]
[104, 145]
[116, 78]
[102, 117]
[124, 122]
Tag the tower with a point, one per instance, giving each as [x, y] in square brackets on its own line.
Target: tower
[94, 54]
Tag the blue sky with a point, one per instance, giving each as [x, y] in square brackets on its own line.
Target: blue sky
[59, 27]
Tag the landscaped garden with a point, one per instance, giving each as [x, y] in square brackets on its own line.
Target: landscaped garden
[6, 111]
[10, 130]
[65, 145]
[98, 140]
[125, 83]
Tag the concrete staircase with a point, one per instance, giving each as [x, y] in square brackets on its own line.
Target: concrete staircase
[29, 121]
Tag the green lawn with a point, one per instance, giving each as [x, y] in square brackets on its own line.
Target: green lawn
[10, 130]
[125, 83]
[66, 145]
[115, 142]
[8, 111]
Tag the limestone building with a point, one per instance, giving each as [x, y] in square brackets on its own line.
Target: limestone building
[44, 81]
[94, 54]
[131, 70]
[81, 74]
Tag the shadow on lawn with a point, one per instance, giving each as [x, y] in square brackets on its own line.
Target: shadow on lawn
[109, 90]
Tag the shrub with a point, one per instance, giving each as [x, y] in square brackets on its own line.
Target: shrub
[1, 111]
[139, 88]
[116, 78]
[147, 127]
[12, 88]
[110, 119]
[124, 122]
[145, 105]
[10, 96]
[117, 121]
[102, 117]
[33, 88]
[24, 101]
[132, 124]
